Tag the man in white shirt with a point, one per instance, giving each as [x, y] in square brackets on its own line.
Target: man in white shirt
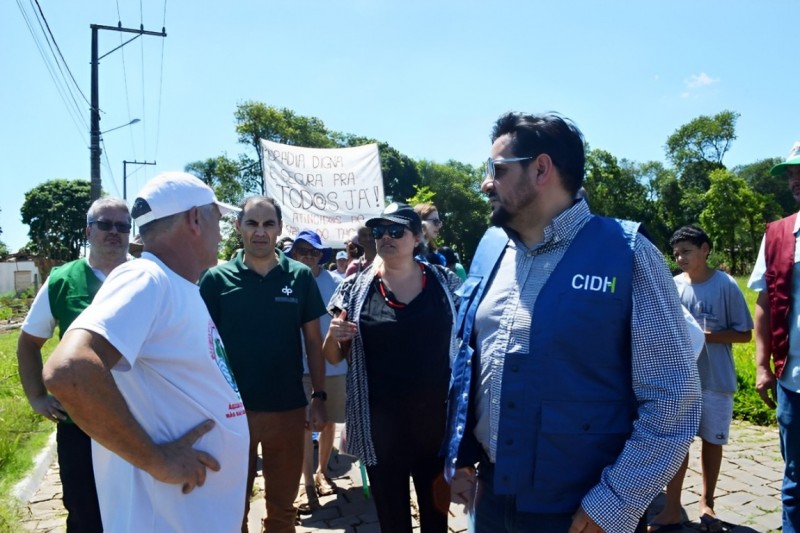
[143, 371]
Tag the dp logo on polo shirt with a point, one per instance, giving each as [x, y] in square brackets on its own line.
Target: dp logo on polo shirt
[288, 298]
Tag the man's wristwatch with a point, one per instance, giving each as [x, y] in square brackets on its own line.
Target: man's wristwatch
[320, 394]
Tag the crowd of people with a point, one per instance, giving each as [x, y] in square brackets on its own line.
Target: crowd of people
[554, 388]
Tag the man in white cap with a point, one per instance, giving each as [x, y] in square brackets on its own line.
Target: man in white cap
[341, 265]
[777, 332]
[144, 373]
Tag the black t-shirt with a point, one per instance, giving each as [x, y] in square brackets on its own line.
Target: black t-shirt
[407, 350]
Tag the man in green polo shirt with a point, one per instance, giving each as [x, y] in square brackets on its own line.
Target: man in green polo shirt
[69, 290]
[260, 301]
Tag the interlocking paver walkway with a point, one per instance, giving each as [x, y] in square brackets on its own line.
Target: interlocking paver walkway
[748, 493]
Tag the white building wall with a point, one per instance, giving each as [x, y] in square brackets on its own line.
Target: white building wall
[8, 273]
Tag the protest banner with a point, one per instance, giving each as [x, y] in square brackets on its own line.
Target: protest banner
[332, 191]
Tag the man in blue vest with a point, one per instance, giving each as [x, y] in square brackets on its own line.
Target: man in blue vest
[575, 388]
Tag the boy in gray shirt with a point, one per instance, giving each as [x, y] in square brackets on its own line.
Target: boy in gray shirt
[716, 302]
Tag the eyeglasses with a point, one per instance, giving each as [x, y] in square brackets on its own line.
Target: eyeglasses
[435, 221]
[307, 252]
[395, 231]
[105, 225]
[491, 163]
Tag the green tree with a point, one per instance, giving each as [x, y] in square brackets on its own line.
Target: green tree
[56, 214]
[695, 150]
[704, 138]
[256, 120]
[456, 189]
[779, 201]
[613, 187]
[221, 174]
[422, 195]
[663, 195]
[400, 173]
[732, 216]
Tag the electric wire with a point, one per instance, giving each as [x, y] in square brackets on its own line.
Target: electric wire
[160, 84]
[125, 81]
[144, 100]
[78, 120]
[110, 170]
[52, 37]
[66, 84]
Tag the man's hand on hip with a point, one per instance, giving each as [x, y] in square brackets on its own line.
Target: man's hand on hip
[184, 465]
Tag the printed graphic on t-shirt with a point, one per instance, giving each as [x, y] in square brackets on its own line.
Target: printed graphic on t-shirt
[219, 356]
[703, 313]
[288, 298]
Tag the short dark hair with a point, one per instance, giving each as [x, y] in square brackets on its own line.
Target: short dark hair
[257, 199]
[692, 234]
[547, 133]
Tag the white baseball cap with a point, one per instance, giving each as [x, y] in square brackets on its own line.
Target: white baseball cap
[173, 192]
[341, 255]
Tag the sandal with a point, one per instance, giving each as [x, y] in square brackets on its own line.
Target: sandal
[311, 503]
[711, 523]
[324, 486]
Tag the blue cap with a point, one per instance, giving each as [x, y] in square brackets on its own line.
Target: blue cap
[312, 238]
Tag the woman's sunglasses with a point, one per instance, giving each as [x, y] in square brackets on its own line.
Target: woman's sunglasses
[395, 231]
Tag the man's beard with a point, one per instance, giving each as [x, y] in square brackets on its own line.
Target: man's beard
[500, 217]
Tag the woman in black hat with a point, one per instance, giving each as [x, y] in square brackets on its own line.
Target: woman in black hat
[396, 384]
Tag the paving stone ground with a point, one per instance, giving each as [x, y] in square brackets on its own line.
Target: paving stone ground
[748, 493]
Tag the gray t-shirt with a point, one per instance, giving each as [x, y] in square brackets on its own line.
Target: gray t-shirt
[717, 304]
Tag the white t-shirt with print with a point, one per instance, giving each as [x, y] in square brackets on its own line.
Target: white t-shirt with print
[173, 375]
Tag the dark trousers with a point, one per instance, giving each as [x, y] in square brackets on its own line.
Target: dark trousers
[407, 440]
[77, 479]
[788, 414]
[496, 513]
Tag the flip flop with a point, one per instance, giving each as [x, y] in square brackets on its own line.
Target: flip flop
[325, 486]
[711, 524]
[311, 502]
[663, 528]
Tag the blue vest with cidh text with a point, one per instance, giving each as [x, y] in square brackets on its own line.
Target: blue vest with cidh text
[567, 407]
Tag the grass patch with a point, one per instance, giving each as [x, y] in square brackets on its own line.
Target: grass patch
[747, 404]
[23, 433]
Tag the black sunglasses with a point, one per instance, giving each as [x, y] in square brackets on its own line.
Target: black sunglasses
[395, 231]
[105, 225]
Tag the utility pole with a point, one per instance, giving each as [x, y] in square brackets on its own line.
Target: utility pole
[125, 174]
[94, 129]
[125, 183]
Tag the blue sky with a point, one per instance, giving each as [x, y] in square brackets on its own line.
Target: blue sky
[428, 77]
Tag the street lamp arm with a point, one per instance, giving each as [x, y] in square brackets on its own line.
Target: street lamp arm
[134, 121]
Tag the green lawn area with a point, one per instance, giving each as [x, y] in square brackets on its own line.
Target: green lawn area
[747, 404]
[22, 432]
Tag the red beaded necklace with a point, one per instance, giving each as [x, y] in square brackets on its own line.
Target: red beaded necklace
[388, 296]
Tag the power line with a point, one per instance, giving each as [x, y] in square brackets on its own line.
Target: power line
[73, 112]
[110, 170]
[160, 83]
[52, 37]
[57, 63]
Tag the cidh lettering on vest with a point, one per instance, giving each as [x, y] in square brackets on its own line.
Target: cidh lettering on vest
[587, 282]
